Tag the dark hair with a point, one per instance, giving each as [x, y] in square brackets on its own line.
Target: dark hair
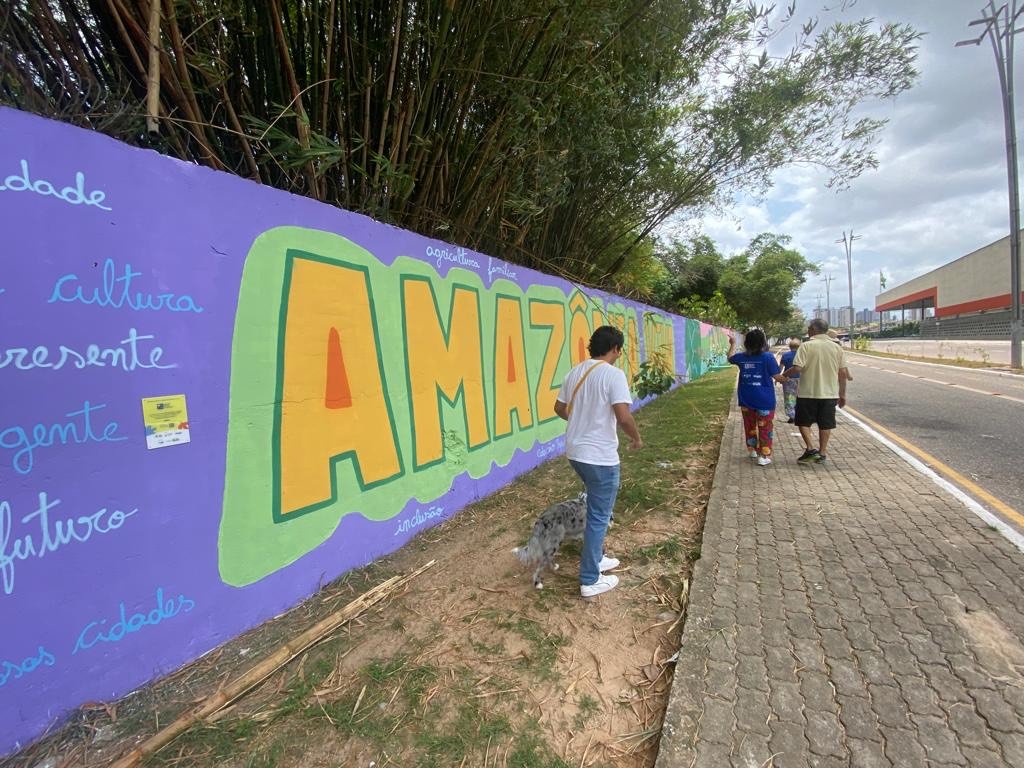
[755, 342]
[817, 325]
[605, 339]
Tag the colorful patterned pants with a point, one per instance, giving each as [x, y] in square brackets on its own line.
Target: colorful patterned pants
[789, 398]
[758, 426]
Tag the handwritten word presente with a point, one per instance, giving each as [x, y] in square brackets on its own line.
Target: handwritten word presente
[75, 195]
[128, 355]
[24, 441]
[99, 632]
[49, 536]
[41, 658]
[498, 268]
[418, 518]
[457, 256]
[116, 292]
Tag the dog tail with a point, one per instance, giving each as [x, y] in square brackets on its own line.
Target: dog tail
[527, 553]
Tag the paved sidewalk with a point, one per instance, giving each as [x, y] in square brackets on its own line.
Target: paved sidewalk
[846, 614]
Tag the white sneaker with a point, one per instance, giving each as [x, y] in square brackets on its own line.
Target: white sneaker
[608, 563]
[602, 585]
[764, 461]
[753, 454]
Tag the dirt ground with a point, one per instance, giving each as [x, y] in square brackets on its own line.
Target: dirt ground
[467, 664]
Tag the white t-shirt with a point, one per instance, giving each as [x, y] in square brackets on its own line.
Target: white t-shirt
[591, 435]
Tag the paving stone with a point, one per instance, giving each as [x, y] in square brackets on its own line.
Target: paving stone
[817, 691]
[824, 733]
[786, 702]
[751, 672]
[874, 667]
[919, 696]
[721, 679]
[867, 754]
[940, 743]
[717, 722]
[983, 758]
[712, 755]
[809, 654]
[996, 711]
[889, 706]
[1013, 748]
[903, 749]
[858, 718]
[969, 726]
[789, 745]
[781, 664]
[947, 685]
[751, 749]
[925, 650]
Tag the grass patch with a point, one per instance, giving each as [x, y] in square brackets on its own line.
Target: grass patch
[956, 362]
[542, 655]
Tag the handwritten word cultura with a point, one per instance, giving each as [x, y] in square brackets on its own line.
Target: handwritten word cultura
[116, 292]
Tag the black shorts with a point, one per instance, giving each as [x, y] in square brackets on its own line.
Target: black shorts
[810, 411]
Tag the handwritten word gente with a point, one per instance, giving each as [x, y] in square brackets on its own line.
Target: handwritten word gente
[128, 355]
[49, 536]
[75, 195]
[77, 429]
[116, 292]
[100, 632]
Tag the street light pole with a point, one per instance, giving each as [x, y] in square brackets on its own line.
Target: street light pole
[1000, 26]
[828, 299]
[848, 247]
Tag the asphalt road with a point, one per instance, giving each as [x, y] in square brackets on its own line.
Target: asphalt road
[995, 352]
[970, 420]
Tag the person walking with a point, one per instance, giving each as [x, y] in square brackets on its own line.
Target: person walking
[594, 399]
[756, 392]
[823, 375]
[790, 384]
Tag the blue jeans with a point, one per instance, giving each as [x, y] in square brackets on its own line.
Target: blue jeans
[602, 485]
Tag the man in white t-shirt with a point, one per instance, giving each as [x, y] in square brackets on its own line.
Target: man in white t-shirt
[594, 399]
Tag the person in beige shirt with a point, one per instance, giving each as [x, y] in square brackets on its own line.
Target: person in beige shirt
[823, 371]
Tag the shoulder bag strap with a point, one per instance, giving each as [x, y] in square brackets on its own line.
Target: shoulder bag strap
[579, 384]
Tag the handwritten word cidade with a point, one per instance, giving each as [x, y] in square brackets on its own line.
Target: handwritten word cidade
[25, 441]
[116, 292]
[127, 356]
[49, 536]
[75, 195]
[97, 631]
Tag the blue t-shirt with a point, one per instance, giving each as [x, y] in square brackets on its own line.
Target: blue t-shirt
[787, 362]
[757, 387]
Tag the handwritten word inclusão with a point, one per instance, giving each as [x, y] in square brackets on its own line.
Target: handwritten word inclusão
[128, 355]
[41, 658]
[418, 518]
[116, 292]
[98, 631]
[75, 195]
[457, 256]
[51, 535]
[25, 441]
[499, 268]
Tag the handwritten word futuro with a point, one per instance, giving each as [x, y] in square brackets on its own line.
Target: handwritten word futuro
[78, 428]
[49, 536]
[41, 658]
[101, 632]
[75, 195]
[116, 291]
[128, 355]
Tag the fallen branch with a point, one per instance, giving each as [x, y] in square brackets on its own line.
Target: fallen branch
[265, 668]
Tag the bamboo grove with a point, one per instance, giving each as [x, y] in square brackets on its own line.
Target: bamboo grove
[555, 134]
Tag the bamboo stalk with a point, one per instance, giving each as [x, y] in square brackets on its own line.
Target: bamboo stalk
[153, 72]
[267, 667]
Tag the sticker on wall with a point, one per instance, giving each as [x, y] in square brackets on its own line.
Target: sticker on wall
[166, 421]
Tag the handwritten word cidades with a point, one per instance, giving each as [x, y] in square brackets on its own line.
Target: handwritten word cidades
[418, 518]
[457, 256]
[116, 292]
[498, 269]
[128, 355]
[42, 657]
[75, 195]
[99, 632]
[49, 536]
[24, 441]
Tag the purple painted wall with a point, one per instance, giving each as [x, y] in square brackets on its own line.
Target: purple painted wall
[128, 275]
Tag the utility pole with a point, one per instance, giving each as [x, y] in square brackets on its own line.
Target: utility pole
[847, 242]
[828, 299]
[999, 27]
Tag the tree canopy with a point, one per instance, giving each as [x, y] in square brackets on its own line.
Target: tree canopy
[556, 135]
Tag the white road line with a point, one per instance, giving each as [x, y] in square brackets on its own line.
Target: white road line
[987, 371]
[1008, 532]
[1000, 395]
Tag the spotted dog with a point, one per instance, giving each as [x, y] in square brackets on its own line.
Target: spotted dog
[561, 521]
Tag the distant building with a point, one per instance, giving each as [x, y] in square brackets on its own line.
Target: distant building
[968, 298]
[865, 316]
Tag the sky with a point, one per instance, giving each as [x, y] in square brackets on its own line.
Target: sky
[940, 190]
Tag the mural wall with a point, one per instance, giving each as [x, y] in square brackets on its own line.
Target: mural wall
[218, 396]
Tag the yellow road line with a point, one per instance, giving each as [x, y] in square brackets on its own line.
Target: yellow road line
[1000, 506]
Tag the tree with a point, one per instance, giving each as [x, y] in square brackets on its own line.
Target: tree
[692, 269]
[761, 282]
[555, 135]
[714, 310]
